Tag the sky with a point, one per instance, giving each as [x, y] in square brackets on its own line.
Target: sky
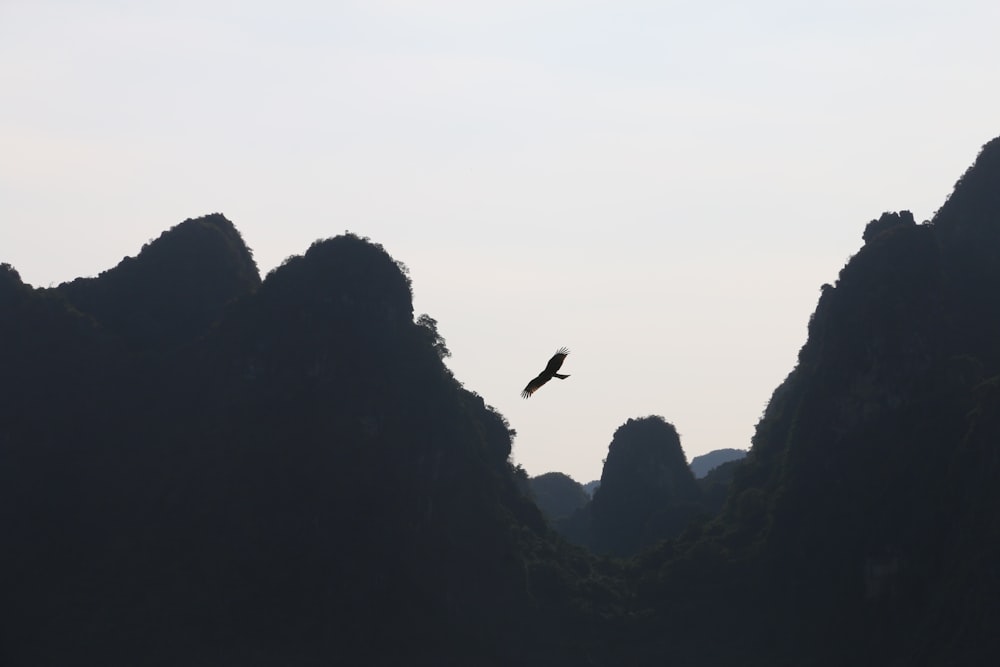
[661, 187]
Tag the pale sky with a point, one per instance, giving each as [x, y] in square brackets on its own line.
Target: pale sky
[662, 187]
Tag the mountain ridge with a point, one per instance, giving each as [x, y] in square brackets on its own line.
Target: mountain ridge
[284, 471]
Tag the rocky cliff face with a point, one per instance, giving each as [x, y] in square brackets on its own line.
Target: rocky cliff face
[846, 478]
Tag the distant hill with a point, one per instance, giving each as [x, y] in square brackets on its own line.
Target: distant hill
[701, 465]
[647, 491]
[557, 495]
[574, 519]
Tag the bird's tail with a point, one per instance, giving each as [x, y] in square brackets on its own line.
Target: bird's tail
[561, 377]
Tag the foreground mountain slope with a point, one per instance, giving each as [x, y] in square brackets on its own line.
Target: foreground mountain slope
[859, 522]
[297, 478]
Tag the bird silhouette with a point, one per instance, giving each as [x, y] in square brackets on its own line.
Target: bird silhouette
[550, 372]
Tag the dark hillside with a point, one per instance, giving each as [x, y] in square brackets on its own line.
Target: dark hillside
[296, 477]
[557, 495]
[863, 478]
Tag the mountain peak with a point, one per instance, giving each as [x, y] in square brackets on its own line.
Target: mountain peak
[647, 489]
[174, 288]
[887, 222]
[346, 274]
[972, 212]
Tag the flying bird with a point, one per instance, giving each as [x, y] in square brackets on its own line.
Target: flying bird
[550, 372]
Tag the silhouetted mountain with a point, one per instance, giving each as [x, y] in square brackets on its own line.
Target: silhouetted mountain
[591, 487]
[662, 513]
[198, 468]
[716, 485]
[284, 472]
[51, 357]
[647, 491]
[648, 506]
[557, 495]
[174, 289]
[702, 465]
[844, 525]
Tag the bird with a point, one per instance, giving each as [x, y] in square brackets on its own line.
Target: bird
[550, 372]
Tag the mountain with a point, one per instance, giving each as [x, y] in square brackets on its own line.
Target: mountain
[716, 485]
[640, 503]
[559, 498]
[860, 522]
[284, 471]
[174, 289]
[647, 491]
[702, 465]
[244, 472]
[557, 495]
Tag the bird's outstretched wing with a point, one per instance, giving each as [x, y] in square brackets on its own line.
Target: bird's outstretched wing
[555, 363]
[535, 384]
